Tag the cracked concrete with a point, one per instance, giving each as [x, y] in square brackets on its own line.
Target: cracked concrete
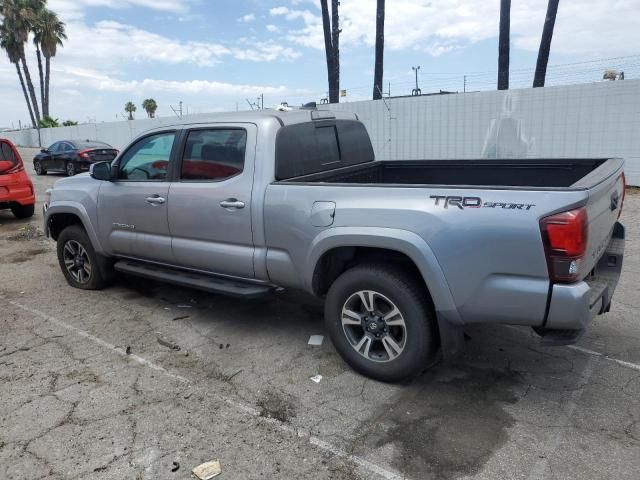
[73, 404]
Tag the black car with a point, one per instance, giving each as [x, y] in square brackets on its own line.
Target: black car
[72, 156]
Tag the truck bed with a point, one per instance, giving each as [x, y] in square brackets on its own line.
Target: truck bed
[533, 173]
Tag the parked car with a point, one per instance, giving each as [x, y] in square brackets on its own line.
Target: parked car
[405, 253]
[16, 189]
[72, 156]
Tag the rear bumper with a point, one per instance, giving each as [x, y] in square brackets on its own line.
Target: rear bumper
[573, 306]
[16, 189]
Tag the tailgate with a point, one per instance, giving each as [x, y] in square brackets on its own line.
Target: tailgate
[603, 208]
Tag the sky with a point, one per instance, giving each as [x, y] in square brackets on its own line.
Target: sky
[218, 55]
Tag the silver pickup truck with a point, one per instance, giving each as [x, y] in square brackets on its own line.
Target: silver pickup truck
[405, 253]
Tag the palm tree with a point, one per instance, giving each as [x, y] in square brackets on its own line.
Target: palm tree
[49, 35]
[331, 46]
[18, 18]
[129, 107]
[378, 73]
[503, 45]
[150, 106]
[545, 44]
[10, 45]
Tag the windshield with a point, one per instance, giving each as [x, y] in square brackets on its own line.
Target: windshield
[8, 158]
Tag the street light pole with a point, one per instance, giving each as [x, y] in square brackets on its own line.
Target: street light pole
[416, 91]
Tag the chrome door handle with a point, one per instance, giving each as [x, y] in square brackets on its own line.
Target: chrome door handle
[155, 200]
[231, 203]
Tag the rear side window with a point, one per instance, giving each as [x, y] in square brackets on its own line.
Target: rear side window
[313, 147]
[214, 155]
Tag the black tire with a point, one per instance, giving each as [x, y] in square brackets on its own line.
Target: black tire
[23, 211]
[37, 166]
[72, 236]
[420, 345]
[70, 169]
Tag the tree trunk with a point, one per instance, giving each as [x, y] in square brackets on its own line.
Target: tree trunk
[43, 103]
[328, 48]
[26, 95]
[379, 66]
[545, 44]
[503, 45]
[334, 87]
[47, 61]
[32, 91]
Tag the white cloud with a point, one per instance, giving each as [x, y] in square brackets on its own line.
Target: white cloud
[594, 28]
[272, 28]
[248, 18]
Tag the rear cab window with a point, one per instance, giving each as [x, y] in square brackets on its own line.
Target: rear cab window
[321, 145]
[214, 154]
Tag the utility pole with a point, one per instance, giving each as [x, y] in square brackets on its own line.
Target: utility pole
[177, 111]
[416, 91]
[465, 84]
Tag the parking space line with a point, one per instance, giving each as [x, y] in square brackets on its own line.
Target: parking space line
[586, 351]
[247, 409]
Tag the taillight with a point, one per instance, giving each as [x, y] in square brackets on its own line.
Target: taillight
[84, 154]
[624, 193]
[565, 238]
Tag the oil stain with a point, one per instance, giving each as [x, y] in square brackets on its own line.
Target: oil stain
[447, 424]
[276, 405]
[25, 255]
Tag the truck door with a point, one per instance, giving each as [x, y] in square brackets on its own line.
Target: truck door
[210, 208]
[132, 209]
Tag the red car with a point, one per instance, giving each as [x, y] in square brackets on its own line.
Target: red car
[16, 189]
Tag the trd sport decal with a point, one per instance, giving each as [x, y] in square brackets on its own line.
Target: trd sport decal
[476, 202]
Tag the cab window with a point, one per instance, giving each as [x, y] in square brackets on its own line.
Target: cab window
[214, 155]
[147, 159]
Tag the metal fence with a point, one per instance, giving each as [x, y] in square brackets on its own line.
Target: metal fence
[589, 120]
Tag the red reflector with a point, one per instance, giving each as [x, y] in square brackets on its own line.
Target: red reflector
[624, 193]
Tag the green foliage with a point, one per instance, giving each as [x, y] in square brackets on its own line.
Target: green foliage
[130, 107]
[150, 106]
[69, 123]
[48, 122]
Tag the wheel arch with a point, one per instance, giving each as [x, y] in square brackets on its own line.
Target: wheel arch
[337, 249]
[60, 216]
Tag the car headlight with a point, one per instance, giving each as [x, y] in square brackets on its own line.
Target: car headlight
[47, 194]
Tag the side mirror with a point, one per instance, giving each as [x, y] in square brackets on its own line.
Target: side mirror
[100, 171]
[44, 150]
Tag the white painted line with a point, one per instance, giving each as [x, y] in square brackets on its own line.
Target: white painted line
[580, 349]
[247, 409]
[622, 363]
[540, 467]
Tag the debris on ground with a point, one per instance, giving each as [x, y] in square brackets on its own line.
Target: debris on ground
[28, 232]
[168, 344]
[233, 375]
[207, 470]
[175, 466]
[128, 350]
[181, 317]
[316, 340]
[184, 306]
[316, 378]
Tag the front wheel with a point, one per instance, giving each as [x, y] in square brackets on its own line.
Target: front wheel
[78, 259]
[70, 169]
[37, 166]
[381, 322]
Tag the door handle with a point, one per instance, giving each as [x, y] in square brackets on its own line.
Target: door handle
[155, 200]
[232, 203]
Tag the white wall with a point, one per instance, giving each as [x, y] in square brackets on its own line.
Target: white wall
[589, 120]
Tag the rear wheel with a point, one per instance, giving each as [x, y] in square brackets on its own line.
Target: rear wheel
[70, 169]
[23, 211]
[78, 259]
[380, 321]
[37, 166]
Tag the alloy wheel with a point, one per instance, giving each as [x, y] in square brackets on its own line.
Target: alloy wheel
[76, 261]
[374, 326]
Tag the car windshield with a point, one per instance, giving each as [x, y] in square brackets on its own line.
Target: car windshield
[91, 144]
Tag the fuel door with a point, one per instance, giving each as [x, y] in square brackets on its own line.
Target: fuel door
[322, 214]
